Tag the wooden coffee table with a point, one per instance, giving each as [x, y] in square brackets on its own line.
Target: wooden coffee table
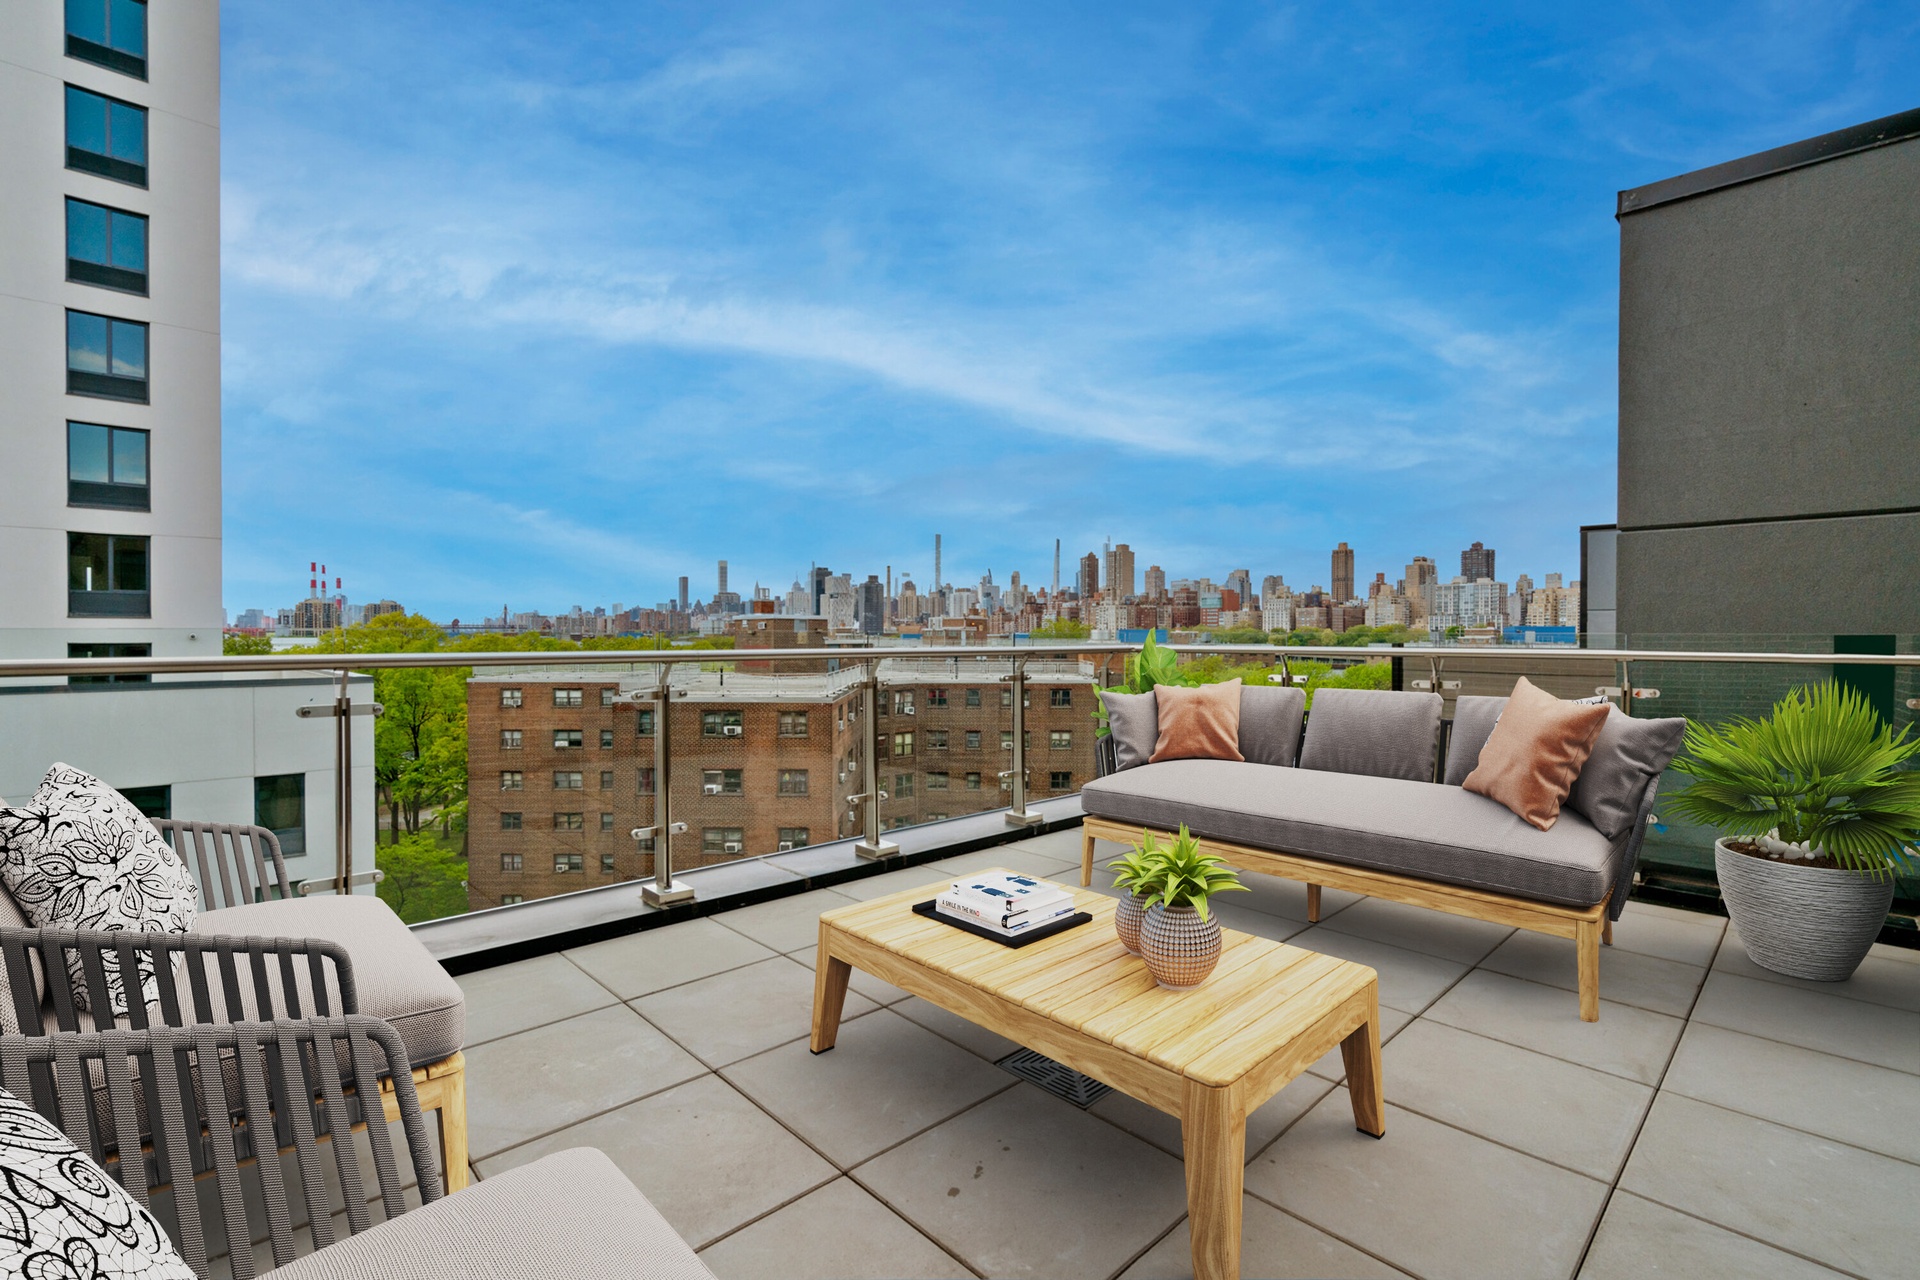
[1208, 1056]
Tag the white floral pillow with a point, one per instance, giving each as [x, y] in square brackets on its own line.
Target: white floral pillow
[80, 856]
[62, 1216]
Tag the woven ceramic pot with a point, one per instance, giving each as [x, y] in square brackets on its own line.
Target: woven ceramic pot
[1806, 922]
[1179, 947]
[1126, 922]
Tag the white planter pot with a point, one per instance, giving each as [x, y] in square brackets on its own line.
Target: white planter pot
[1803, 921]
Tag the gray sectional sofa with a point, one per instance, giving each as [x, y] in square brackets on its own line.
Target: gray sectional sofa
[1360, 796]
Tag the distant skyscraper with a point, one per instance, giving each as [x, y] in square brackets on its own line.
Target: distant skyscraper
[1343, 573]
[1272, 585]
[1089, 575]
[1476, 562]
[723, 578]
[1120, 572]
[870, 606]
[1056, 566]
[937, 584]
[1156, 583]
[1240, 582]
[820, 575]
[1418, 586]
[683, 593]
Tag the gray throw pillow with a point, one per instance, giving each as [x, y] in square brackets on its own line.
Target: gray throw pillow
[1134, 721]
[1270, 717]
[1378, 732]
[1626, 756]
[1473, 721]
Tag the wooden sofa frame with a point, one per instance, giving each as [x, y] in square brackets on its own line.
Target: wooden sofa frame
[1589, 927]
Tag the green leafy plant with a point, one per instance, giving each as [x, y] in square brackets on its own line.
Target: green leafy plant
[1822, 771]
[1153, 665]
[1176, 874]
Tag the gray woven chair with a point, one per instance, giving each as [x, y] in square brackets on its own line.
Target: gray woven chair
[329, 1194]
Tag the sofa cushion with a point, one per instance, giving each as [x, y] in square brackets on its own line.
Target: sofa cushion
[1629, 754]
[1535, 752]
[1270, 717]
[1380, 732]
[563, 1216]
[1198, 723]
[1422, 829]
[1133, 721]
[394, 977]
[1473, 719]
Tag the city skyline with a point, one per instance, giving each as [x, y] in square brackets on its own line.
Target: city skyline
[500, 322]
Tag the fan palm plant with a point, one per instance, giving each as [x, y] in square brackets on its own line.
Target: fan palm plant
[1822, 773]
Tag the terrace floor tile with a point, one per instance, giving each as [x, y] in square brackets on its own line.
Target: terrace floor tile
[741, 1012]
[1638, 1239]
[1268, 1121]
[1429, 1198]
[1021, 857]
[839, 1232]
[1433, 933]
[1813, 1020]
[1273, 1244]
[968, 1035]
[1627, 1041]
[1884, 977]
[1409, 980]
[531, 993]
[785, 924]
[862, 982]
[1332, 1065]
[1629, 977]
[1687, 937]
[642, 963]
[1807, 1195]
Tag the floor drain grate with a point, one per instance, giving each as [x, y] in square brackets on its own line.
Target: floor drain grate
[1060, 1081]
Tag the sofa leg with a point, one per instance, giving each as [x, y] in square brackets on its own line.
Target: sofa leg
[453, 1124]
[1606, 932]
[1313, 904]
[1086, 858]
[1586, 940]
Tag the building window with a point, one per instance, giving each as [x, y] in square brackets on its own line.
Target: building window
[720, 782]
[795, 837]
[568, 863]
[280, 805]
[569, 822]
[973, 782]
[106, 358]
[902, 786]
[510, 739]
[1006, 697]
[1006, 739]
[644, 844]
[606, 697]
[937, 780]
[106, 136]
[510, 697]
[107, 576]
[936, 697]
[1060, 739]
[567, 739]
[106, 247]
[936, 739]
[606, 824]
[510, 822]
[512, 861]
[568, 780]
[606, 739]
[973, 739]
[646, 782]
[566, 698]
[793, 782]
[154, 802]
[606, 864]
[512, 780]
[720, 724]
[111, 33]
[606, 779]
[1060, 697]
[722, 840]
[643, 726]
[511, 899]
[110, 651]
[1060, 779]
[903, 702]
[973, 697]
[793, 724]
[106, 467]
[903, 743]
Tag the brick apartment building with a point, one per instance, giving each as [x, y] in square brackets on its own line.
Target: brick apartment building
[560, 773]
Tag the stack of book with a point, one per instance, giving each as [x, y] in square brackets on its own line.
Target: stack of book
[1005, 903]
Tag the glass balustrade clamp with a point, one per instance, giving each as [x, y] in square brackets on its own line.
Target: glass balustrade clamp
[871, 845]
[1018, 816]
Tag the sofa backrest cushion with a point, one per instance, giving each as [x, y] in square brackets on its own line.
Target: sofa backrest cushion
[1270, 717]
[1473, 720]
[1629, 754]
[1379, 732]
[1134, 721]
[1201, 723]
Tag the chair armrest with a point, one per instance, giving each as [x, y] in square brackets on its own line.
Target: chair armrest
[233, 863]
[226, 979]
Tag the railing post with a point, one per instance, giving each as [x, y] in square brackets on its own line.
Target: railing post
[1018, 816]
[871, 845]
[663, 892]
[343, 786]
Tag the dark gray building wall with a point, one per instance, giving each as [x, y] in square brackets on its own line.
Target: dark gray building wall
[1770, 394]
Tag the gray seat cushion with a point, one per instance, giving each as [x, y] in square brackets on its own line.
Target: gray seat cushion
[1381, 732]
[394, 976]
[1422, 829]
[566, 1216]
[1270, 717]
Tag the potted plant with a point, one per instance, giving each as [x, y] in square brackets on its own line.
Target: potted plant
[1817, 805]
[1179, 938]
[1132, 872]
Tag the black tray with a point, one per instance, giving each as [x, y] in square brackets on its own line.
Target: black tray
[1020, 940]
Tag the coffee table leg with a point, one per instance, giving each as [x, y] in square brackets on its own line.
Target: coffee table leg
[1361, 1052]
[1213, 1130]
[830, 977]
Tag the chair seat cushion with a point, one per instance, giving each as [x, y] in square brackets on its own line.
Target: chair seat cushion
[394, 976]
[1421, 829]
[568, 1215]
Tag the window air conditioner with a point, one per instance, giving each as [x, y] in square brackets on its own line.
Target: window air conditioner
[785, 845]
[731, 846]
[731, 730]
[711, 788]
[909, 710]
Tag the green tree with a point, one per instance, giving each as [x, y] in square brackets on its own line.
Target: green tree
[425, 879]
[420, 743]
[234, 644]
[1061, 629]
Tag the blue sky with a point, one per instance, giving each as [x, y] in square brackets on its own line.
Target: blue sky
[546, 304]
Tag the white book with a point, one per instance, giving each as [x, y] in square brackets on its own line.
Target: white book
[947, 905]
[1009, 893]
